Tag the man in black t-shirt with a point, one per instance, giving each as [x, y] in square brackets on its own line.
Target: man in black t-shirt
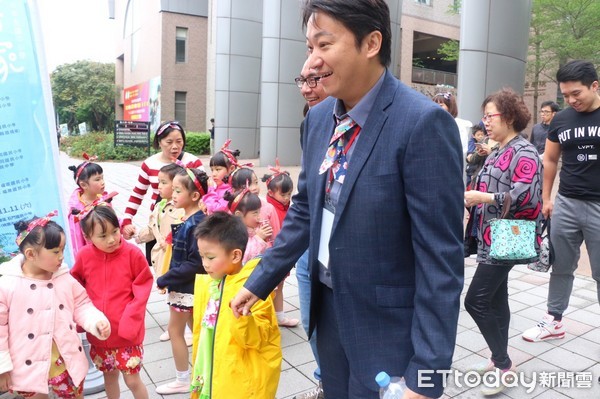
[574, 133]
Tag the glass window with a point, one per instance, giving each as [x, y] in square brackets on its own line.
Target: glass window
[180, 43]
[132, 28]
[426, 2]
[180, 106]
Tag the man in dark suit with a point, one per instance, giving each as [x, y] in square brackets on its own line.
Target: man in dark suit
[381, 209]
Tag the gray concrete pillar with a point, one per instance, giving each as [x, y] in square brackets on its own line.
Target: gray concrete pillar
[494, 37]
[281, 104]
[237, 74]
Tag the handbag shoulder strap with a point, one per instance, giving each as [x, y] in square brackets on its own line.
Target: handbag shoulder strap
[545, 228]
[506, 206]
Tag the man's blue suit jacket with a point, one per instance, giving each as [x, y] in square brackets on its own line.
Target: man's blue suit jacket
[396, 252]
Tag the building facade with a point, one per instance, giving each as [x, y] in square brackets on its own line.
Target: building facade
[160, 66]
[236, 60]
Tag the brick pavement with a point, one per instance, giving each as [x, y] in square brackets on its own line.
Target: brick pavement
[577, 353]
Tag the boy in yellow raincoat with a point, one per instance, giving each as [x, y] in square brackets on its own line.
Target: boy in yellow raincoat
[233, 358]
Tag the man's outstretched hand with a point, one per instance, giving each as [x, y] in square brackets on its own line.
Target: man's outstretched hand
[243, 302]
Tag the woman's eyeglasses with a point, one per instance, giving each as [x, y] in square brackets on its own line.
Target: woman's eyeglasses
[488, 117]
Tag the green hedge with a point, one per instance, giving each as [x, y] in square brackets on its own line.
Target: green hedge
[197, 143]
[102, 145]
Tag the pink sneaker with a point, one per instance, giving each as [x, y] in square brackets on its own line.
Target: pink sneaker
[173, 387]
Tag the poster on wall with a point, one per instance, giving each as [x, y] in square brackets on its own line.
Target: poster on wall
[154, 103]
[142, 103]
[29, 181]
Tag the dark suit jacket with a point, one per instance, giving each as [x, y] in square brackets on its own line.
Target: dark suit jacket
[396, 251]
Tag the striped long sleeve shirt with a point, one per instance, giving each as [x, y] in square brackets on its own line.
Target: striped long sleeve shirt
[148, 177]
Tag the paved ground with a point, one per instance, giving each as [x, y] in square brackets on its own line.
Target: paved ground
[575, 357]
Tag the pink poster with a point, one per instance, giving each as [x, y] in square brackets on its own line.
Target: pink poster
[137, 103]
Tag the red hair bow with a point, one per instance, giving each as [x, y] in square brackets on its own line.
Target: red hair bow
[102, 200]
[276, 172]
[88, 160]
[33, 224]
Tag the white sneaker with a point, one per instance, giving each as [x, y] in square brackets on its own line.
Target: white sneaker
[189, 338]
[164, 336]
[546, 329]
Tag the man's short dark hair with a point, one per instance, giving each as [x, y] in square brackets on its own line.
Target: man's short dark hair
[554, 107]
[577, 71]
[227, 230]
[360, 17]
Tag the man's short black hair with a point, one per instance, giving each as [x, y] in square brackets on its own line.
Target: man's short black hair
[225, 229]
[577, 71]
[360, 17]
[554, 107]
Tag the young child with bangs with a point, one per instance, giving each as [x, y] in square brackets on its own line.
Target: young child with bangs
[244, 177]
[116, 276]
[268, 214]
[89, 178]
[279, 190]
[246, 205]
[189, 186]
[40, 304]
[164, 215]
[234, 357]
[221, 165]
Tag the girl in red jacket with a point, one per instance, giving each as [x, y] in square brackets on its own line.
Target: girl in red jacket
[118, 280]
[279, 190]
[279, 193]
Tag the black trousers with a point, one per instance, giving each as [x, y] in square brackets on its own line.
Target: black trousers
[487, 303]
[149, 246]
[339, 380]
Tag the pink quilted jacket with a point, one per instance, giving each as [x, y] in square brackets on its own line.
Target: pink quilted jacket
[35, 312]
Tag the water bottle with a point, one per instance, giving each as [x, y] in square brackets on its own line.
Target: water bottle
[390, 387]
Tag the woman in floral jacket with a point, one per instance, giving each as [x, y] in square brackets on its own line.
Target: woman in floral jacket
[513, 169]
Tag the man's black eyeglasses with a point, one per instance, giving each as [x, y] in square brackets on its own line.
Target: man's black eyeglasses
[311, 81]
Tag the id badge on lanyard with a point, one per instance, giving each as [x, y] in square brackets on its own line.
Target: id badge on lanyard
[326, 227]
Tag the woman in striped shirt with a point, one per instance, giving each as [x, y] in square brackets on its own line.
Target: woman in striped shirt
[170, 139]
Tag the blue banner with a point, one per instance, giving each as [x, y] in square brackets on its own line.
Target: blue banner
[29, 181]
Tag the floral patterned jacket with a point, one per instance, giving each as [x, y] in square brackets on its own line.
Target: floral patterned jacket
[513, 170]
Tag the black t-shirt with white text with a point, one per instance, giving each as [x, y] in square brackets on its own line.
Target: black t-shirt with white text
[578, 134]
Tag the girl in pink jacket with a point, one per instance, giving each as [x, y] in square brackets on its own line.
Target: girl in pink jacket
[40, 305]
[222, 164]
[243, 177]
[89, 178]
[246, 205]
